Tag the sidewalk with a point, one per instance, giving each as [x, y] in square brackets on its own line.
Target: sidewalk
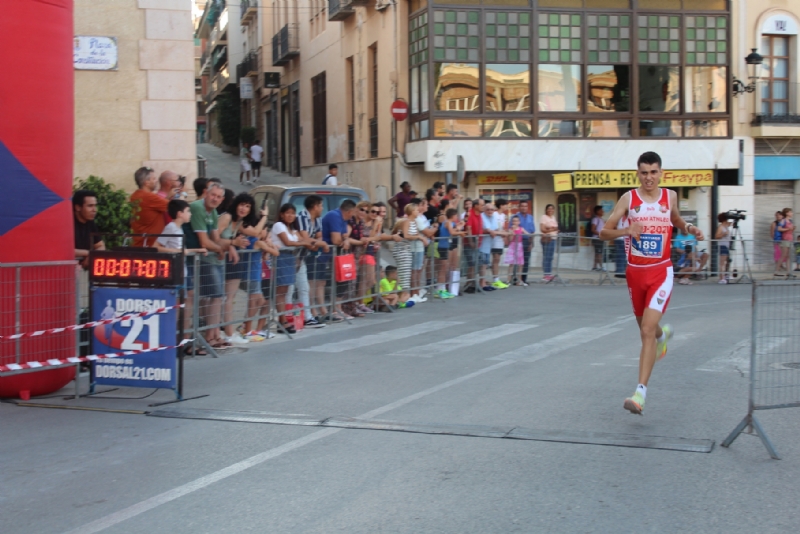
[226, 168]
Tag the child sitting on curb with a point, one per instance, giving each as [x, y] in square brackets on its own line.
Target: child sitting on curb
[391, 292]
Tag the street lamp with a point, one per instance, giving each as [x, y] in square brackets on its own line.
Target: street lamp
[754, 59]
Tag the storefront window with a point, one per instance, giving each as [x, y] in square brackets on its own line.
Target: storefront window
[659, 128]
[704, 128]
[659, 88]
[507, 128]
[508, 87]
[608, 128]
[457, 87]
[609, 88]
[567, 128]
[705, 89]
[457, 128]
[559, 88]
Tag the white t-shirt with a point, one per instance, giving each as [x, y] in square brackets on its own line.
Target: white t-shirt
[174, 242]
[598, 223]
[171, 242]
[501, 218]
[280, 228]
[330, 180]
[422, 224]
[255, 152]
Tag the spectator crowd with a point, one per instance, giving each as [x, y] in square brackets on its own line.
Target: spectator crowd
[313, 268]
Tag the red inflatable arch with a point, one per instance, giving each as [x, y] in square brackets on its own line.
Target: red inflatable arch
[36, 142]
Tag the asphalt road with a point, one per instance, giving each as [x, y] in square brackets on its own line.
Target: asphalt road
[554, 358]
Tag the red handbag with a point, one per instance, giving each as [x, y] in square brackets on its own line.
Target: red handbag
[345, 268]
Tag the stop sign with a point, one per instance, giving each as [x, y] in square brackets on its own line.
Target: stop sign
[399, 110]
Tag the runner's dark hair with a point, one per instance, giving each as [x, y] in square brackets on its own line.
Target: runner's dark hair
[649, 158]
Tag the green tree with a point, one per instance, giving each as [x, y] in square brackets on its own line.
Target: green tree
[229, 118]
[248, 135]
[114, 209]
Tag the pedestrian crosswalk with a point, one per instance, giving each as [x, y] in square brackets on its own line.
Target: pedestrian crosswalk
[549, 347]
[374, 339]
[532, 346]
[461, 342]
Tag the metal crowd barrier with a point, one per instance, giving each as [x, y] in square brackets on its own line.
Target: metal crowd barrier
[774, 355]
[33, 297]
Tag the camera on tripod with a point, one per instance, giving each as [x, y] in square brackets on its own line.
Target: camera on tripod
[736, 215]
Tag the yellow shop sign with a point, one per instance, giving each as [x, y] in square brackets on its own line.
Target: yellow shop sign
[629, 179]
[497, 178]
[562, 182]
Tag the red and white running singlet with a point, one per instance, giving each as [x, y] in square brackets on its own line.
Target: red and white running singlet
[655, 242]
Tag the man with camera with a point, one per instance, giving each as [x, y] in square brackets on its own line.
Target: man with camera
[652, 213]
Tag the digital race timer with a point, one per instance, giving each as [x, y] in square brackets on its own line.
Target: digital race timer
[135, 266]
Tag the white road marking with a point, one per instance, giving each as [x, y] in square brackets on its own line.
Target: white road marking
[374, 339]
[205, 481]
[554, 345]
[467, 340]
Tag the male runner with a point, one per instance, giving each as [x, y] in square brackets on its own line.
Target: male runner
[652, 212]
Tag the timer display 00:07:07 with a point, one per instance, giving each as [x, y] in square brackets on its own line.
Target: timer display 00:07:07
[124, 268]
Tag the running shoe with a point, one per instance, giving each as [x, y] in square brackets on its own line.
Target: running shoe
[254, 337]
[634, 404]
[489, 288]
[723, 281]
[313, 323]
[448, 295]
[499, 285]
[266, 334]
[661, 346]
[236, 338]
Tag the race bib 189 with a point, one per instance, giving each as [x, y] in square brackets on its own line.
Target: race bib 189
[648, 245]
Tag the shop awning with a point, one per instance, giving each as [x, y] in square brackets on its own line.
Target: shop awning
[777, 168]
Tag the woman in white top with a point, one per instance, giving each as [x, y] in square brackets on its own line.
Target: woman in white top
[286, 238]
[549, 228]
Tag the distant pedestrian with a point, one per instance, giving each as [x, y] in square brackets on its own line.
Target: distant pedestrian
[777, 236]
[244, 163]
[401, 199]
[332, 177]
[597, 223]
[549, 227]
[149, 209]
[787, 241]
[84, 210]
[620, 250]
[724, 236]
[515, 256]
[256, 153]
[527, 224]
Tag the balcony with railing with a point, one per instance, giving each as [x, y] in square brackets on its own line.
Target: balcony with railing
[219, 57]
[205, 63]
[220, 81]
[340, 9]
[248, 67]
[285, 45]
[779, 109]
[249, 11]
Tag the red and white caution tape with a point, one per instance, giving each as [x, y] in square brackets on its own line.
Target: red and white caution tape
[78, 359]
[88, 325]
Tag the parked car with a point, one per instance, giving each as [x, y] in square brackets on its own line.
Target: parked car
[275, 196]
